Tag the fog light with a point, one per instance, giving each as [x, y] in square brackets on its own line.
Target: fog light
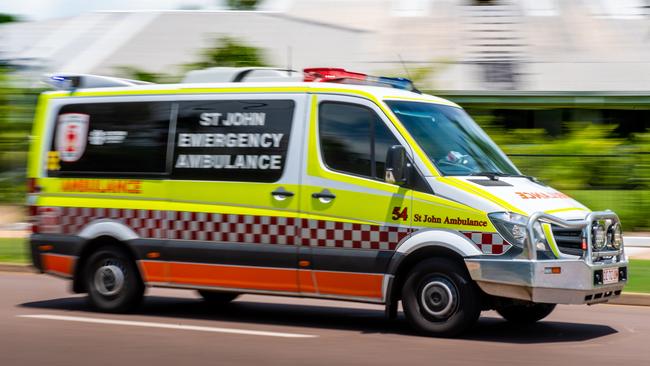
[617, 236]
[598, 277]
[599, 239]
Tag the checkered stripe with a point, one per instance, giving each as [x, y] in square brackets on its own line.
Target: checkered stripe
[238, 228]
[155, 224]
[232, 228]
[146, 223]
[318, 233]
[489, 243]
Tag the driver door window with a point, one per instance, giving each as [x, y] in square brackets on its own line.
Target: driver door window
[354, 140]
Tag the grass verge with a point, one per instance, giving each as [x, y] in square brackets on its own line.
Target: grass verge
[14, 250]
[639, 276]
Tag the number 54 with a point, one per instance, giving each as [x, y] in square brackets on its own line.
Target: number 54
[399, 213]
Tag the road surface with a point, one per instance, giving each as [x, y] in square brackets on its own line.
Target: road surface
[41, 323]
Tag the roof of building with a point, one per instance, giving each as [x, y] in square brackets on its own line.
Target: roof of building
[567, 45]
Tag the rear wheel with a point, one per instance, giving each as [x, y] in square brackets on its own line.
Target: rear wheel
[112, 281]
[525, 313]
[440, 299]
[218, 297]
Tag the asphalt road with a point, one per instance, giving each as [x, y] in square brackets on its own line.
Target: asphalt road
[41, 323]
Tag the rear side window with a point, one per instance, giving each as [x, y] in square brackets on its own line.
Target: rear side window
[110, 139]
[354, 139]
[232, 140]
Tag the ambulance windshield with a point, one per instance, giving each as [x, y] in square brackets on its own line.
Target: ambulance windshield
[452, 140]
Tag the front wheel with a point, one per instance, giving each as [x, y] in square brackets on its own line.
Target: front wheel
[112, 281]
[440, 299]
[525, 313]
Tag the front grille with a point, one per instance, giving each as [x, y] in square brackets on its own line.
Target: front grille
[569, 241]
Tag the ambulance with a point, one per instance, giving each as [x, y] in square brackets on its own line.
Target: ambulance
[324, 184]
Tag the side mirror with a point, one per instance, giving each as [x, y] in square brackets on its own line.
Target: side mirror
[396, 165]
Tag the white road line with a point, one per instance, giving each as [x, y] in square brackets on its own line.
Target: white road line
[167, 326]
[637, 241]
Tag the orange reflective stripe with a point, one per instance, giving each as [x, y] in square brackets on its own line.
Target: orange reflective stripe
[349, 284]
[153, 271]
[306, 281]
[58, 264]
[270, 279]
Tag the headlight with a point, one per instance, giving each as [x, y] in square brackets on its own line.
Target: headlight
[598, 237]
[616, 236]
[511, 226]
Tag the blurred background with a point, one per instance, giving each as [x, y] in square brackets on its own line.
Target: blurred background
[562, 86]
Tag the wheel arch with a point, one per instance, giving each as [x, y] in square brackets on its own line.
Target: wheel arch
[424, 245]
[99, 234]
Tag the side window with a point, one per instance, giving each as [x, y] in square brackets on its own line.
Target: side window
[232, 140]
[354, 139]
[110, 139]
[384, 139]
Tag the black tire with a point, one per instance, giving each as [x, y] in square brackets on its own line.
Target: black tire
[427, 305]
[218, 297]
[118, 295]
[525, 313]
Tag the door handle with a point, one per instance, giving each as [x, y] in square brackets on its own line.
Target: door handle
[281, 194]
[324, 196]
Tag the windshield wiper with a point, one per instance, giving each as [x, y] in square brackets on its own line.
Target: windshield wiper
[491, 175]
[496, 175]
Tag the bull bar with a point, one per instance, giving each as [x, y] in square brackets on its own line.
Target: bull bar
[565, 279]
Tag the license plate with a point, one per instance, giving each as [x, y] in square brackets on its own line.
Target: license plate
[610, 275]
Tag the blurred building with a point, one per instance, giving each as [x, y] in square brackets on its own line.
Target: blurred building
[477, 49]
[473, 44]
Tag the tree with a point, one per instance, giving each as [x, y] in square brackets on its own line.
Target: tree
[16, 107]
[135, 73]
[242, 4]
[8, 18]
[230, 52]
[422, 76]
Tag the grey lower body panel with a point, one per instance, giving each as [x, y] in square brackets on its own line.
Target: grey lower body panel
[534, 281]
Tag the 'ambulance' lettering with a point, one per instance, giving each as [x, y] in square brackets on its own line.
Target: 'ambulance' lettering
[263, 162]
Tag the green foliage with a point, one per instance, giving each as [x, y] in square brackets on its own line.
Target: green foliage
[135, 73]
[242, 4]
[587, 162]
[421, 75]
[229, 52]
[8, 18]
[16, 108]
[631, 206]
[587, 156]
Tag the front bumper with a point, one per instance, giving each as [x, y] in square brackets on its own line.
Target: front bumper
[567, 279]
[529, 280]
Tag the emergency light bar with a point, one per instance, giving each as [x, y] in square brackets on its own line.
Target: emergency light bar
[337, 75]
[236, 74]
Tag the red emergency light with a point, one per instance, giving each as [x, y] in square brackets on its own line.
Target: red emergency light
[338, 75]
[325, 74]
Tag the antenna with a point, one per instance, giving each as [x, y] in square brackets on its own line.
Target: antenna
[404, 66]
[289, 61]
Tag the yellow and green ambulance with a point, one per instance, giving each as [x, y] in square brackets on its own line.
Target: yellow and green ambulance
[341, 186]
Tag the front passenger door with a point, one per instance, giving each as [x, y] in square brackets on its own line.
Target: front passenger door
[353, 219]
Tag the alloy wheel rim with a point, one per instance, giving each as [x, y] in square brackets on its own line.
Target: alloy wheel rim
[439, 298]
[109, 279]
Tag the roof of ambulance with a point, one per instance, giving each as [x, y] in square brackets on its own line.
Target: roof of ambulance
[288, 87]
